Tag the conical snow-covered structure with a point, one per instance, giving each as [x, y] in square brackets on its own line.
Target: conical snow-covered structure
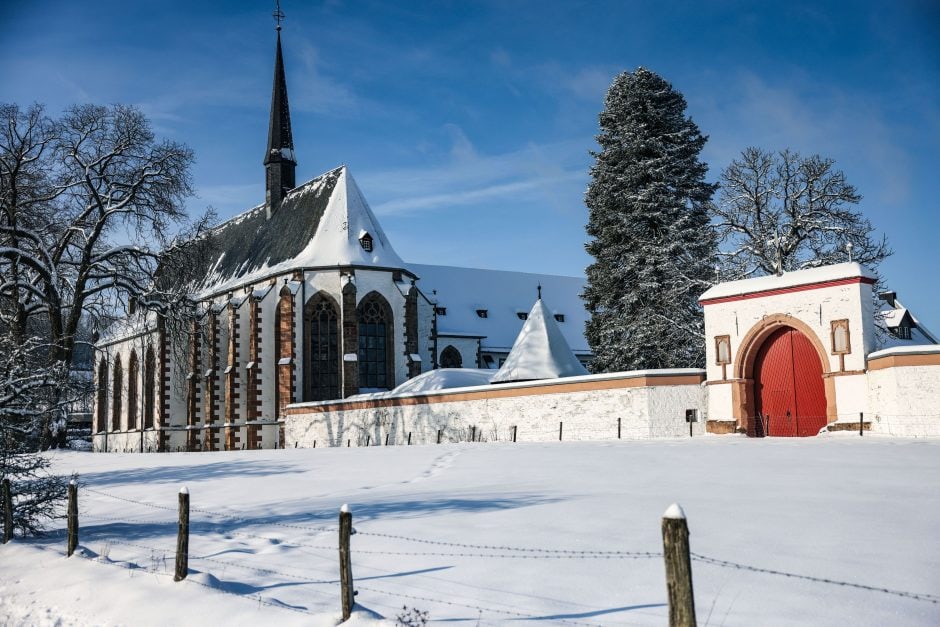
[540, 351]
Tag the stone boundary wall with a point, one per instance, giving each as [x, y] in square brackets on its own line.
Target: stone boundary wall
[650, 404]
[904, 391]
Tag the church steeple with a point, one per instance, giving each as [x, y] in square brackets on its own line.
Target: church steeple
[279, 160]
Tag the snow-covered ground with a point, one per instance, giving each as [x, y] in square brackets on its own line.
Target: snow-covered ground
[491, 533]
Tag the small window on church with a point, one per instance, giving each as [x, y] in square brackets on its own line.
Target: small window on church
[483, 313]
[440, 311]
[366, 242]
[522, 315]
[723, 350]
[903, 332]
[560, 317]
[840, 337]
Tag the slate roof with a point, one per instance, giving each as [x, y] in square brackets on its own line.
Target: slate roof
[317, 224]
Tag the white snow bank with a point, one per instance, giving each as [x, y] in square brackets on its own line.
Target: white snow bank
[264, 534]
[444, 379]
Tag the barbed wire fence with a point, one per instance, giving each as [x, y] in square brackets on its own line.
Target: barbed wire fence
[322, 576]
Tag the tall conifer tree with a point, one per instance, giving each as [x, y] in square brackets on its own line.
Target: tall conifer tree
[650, 236]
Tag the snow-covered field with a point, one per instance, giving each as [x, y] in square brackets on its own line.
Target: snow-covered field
[491, 533]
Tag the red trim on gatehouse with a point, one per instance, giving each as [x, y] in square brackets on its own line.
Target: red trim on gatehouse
[787, 290]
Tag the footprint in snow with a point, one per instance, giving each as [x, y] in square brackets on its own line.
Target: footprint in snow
[440, 464]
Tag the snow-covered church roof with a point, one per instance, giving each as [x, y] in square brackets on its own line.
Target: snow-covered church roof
[318, 224]
[505, 298]
[540, 351]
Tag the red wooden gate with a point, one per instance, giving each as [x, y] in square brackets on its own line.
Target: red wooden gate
[788, 386]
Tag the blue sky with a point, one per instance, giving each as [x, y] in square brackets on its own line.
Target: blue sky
[468, 124]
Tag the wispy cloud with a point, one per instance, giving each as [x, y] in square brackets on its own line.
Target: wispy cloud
[465, 177]
[798, 112]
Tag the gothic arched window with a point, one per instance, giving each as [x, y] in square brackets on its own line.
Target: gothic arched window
[376, 352]
[133, 372]
[450, 358]
[321, 348]
[116, 399]
[150, 367]
[102, 416]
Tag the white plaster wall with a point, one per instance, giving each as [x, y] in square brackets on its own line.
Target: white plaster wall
[466, 346]
[905, 401]
[123, 439]
[851, 397]
[125, 442]
[720, 402]
[645, 413]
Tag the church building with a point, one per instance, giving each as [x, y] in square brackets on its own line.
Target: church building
[304, 299]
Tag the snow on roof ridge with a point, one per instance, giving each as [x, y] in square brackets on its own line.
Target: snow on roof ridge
[807, 276]
[502, 271]
[916, 349]
[540, 351]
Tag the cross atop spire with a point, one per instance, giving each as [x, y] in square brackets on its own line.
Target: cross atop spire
[278, 15]
[279, 160]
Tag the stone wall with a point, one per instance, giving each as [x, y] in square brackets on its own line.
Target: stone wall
[649, 404]
[904, 391]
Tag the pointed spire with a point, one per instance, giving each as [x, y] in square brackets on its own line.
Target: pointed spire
[279, 160]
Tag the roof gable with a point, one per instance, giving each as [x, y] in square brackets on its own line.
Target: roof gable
[317, 224]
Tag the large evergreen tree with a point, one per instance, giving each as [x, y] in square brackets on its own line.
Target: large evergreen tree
[650, 236]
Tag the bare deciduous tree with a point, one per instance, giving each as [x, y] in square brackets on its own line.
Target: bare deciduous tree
[89, 204]
[780, 212]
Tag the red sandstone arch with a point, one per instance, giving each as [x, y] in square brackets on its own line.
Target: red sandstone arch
[743, 394]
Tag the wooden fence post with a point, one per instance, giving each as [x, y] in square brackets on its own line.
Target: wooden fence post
[514, 429]
[409, 438]
[618, 428]
[345, 561]
[7, 511]
[861, 418]
[72, 515]
[678, 568]
[560, 426]
[440, 432]
[386, 437]
[182, 537]
[473, 433]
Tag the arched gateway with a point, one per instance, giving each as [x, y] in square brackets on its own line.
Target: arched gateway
[787, 354]
[789, 393]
